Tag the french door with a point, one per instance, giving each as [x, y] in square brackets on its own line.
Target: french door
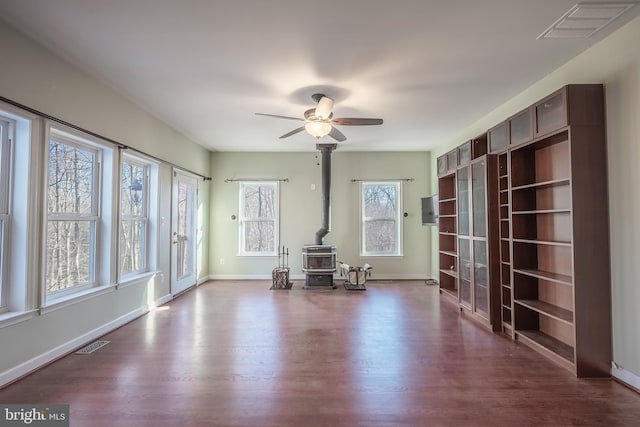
[183, 231]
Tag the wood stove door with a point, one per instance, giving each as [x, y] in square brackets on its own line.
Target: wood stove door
[183, 231]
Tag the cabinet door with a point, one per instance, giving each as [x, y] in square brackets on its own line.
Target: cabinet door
[463, 200]
[521, 127]
[464, 270]
[478, 193]
[551, 113]
[498, 138]
[464, 154]
[452, 160]
[480, 279]
[442, 165]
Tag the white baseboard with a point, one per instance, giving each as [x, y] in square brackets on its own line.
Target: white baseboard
[630, 379]
[37, 362]
[240, 277]
[302, 277]
[163, 300]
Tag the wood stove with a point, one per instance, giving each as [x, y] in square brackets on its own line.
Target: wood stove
[319, 260]
[319, 264]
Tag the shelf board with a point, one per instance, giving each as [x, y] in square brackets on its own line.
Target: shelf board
[547, 342]
[547, 309]
[448, 216]
[450, 253]
[542, 242]
[503, 205]
[504, 239]
[506, 286]
[450, 292]
[543, 184]
[506, 190]
[546, 275]
[452, 273]
[446, 233]
[504, 219]
[541, 211]
[506, 263]
[451, 199]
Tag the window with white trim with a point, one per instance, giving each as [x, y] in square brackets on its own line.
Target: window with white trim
[20, 175]
[134, 216]
[381, 218]
[5, 179]
[258, 219]
[73, 214]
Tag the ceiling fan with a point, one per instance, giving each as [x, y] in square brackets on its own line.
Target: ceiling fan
[319, 121]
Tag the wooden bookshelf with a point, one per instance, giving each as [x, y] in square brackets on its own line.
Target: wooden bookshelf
[559, 233]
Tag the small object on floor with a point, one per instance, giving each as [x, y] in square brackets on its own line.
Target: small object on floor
[355, 277]
[280, 274]
[431, 282]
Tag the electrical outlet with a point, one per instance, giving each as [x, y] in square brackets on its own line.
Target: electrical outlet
[221, 261]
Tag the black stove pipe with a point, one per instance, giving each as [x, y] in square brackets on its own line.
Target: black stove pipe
[326, 150]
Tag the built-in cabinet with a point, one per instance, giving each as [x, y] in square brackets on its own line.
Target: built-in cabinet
[541, 275]
[447, 234]
[465, 274]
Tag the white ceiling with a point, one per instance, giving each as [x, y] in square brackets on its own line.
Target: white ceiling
[427, 67]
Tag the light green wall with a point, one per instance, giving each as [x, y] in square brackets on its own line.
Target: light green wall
[37, 79]
[300, 209]
[615, 62]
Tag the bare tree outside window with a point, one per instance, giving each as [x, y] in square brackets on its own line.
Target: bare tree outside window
[133, 217]
[381, 218]
[258, 219]
[71, 216]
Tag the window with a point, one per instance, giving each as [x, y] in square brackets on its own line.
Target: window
[258, 220]
[381, 221]
[73, 188]
[134, 216]
[5, 176]
[19, 219]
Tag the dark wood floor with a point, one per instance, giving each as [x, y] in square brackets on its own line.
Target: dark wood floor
[237, 354]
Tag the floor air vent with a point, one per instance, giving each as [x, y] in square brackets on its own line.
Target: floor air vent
[92, 347]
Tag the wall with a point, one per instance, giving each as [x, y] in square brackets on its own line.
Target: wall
[35, 78]
[615, 62]
[300, 209]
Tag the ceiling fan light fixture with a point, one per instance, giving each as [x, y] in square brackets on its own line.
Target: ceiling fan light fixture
[317, 129]
[323, 110]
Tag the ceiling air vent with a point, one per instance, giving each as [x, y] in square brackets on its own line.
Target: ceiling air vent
[585, 19]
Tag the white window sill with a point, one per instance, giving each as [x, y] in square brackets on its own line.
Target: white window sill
[381, 256]
[75, 298]
[14, 317]
[136, 279]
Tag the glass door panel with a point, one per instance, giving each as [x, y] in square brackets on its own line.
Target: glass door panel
[463, 201]
[478, 190]
[480, 285]
[464, 270]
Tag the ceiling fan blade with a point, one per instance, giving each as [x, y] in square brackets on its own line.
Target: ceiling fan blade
[293, 132]
[337, 135]
[323, 110]
[345, 121]
[280, 117]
